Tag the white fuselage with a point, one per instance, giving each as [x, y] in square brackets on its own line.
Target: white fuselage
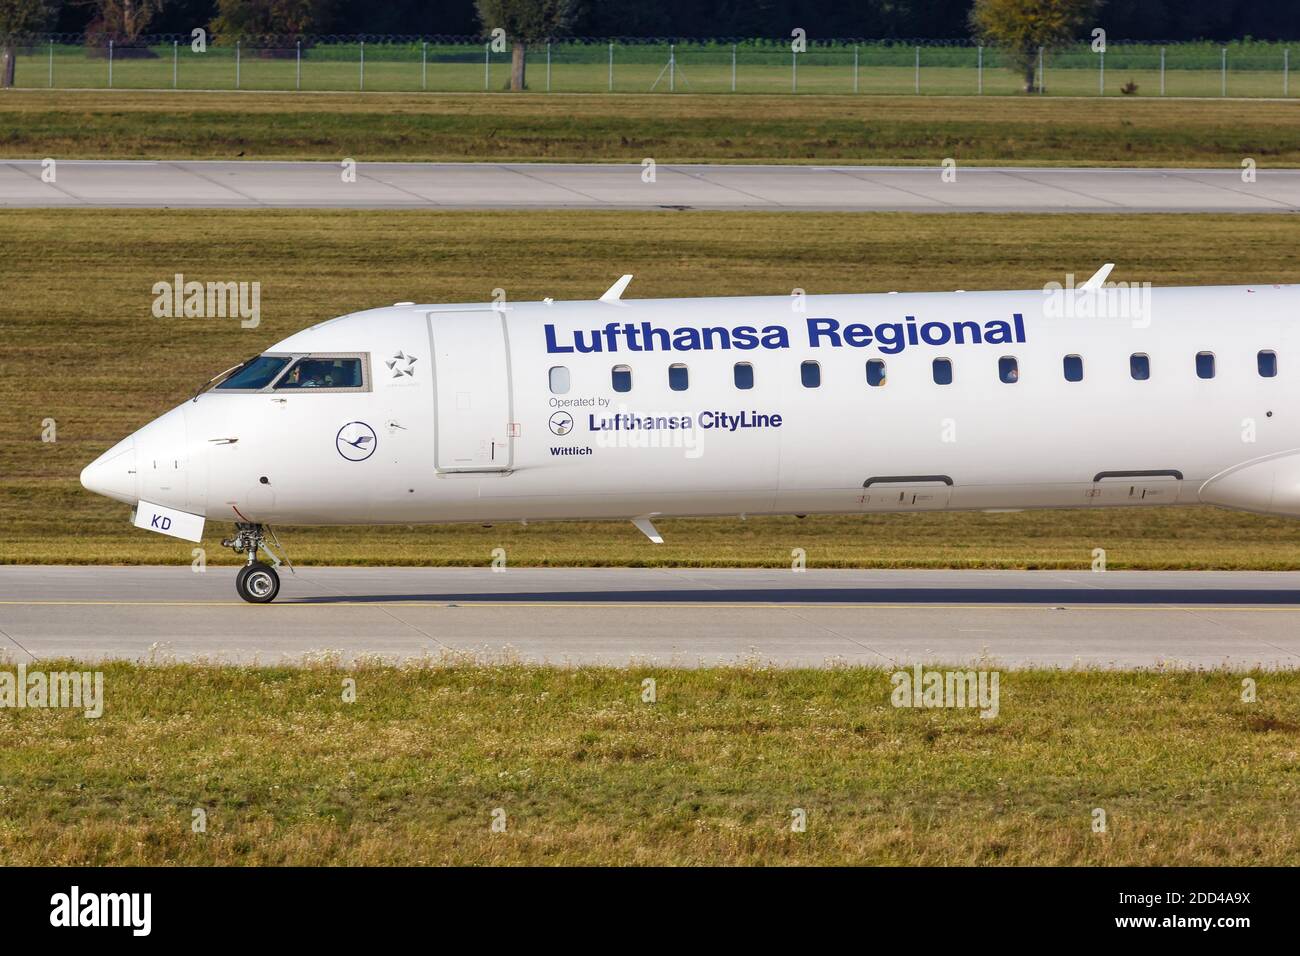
[464, 414]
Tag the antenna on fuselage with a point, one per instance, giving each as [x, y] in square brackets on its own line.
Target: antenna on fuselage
[614, 293]
[1098, 277]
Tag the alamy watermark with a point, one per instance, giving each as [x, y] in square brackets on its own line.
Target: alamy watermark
[1110, 300]
[68, 690]
[179, 299]
[921, 688]
[622, 427]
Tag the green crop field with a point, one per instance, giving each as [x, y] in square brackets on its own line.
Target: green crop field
[604, 128]
[1242, 69]
[271, 766]
[82, 349]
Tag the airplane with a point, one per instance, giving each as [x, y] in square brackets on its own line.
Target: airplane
[641, 409]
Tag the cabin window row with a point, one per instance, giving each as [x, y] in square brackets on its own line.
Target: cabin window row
[810, 372]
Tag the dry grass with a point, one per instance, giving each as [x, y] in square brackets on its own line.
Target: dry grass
[587, 773]
[703, 128]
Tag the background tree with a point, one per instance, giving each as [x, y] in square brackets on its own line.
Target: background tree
[1021, 27]
[270, 17]
[526, 21]
[18, 17]
[122, 21]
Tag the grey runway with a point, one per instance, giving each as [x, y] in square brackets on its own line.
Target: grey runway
[664, 617]
[250, 185]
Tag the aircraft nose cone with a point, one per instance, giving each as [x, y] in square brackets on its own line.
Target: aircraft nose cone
[113, 474]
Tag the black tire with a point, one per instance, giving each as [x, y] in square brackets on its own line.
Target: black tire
[258, 583]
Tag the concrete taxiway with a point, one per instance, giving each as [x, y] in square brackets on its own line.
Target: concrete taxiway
[248, 185]
[667, 617]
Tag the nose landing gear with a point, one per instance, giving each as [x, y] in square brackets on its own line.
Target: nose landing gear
[257, 581]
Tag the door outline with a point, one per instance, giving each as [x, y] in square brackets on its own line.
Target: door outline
[506, 432]
[1143, 484]
[915, 493]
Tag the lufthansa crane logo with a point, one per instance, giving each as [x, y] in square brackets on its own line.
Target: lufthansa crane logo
[356, 441]
[561, 423]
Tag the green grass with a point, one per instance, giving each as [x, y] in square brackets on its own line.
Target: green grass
[586, 773]
[1254, 69]
[81, 347]
[699, 128]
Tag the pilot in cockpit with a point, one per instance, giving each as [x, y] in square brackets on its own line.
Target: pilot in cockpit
[309, 374]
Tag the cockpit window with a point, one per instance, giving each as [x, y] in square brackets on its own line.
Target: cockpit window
[317, 372]
[257, 372]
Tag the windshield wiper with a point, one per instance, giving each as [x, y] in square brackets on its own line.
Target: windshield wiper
[220, 375]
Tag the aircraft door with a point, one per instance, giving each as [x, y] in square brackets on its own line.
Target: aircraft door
[472, 399]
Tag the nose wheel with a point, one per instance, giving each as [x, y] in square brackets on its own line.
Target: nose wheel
[257, 581]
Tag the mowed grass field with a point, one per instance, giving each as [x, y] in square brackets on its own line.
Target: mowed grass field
[670, 129]
[82, 348]
[1191, 69]
[581, 770]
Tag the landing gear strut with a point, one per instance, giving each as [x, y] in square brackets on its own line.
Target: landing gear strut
[257, 581]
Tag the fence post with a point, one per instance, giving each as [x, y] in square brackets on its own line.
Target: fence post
[52, 66]
[1101, 73]
[979, 70]
[672, 68]
[1223, 73]
[297, 74]
[1286, 72]
[1042, 74]
[424, 65]
[1162, 71]
[794, 72]
[110, 63]
[237, 56]
[918, 69]
[487, 65]
[548, 66]
[175, 62]
[855, 68]
[363, 65]
[733, 67]
[611, 66]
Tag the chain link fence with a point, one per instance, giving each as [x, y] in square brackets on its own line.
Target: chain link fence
[462, 64]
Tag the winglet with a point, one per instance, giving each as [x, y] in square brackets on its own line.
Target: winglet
[1094, 284]
[645, 527]
[615, 292]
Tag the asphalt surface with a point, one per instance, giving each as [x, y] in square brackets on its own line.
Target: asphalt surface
[248, 184]
[668, 617]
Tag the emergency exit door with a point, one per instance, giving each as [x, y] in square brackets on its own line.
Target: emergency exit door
[472, 402]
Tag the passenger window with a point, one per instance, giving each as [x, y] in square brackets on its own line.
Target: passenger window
[942, 369]
[875, 372]
[1073, 368]
[678, 378]
[622, 378]
[256, 373]
[323, 373]
[1205, 365]
[1139, 366]
[559, 378]
[743, 375]
[810, 373]
[1267, 363]
[1008, 369]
